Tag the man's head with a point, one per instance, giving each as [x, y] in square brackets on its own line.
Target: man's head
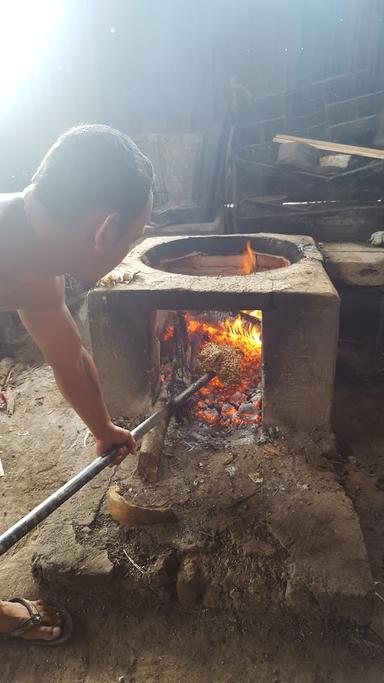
[96, 189]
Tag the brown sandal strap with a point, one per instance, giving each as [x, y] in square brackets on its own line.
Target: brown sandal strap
[34, 617]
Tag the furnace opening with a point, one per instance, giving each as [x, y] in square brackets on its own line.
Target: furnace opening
[219, 404]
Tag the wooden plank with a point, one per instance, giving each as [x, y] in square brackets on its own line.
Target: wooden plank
[333, 146]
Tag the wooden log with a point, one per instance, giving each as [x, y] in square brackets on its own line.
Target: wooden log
[181, 376]
[152, 444]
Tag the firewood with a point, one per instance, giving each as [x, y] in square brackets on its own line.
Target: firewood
[153, 442]
[181, 375]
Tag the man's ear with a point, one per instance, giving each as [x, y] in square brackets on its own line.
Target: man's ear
[107, 234]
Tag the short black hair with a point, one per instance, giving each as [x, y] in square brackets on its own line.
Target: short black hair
[90, 167]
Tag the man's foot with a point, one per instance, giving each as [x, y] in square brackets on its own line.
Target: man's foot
[13, 615]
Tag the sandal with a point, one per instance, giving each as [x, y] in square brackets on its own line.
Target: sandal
[36, 620]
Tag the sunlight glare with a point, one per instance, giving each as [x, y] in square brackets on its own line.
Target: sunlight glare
[25, 26]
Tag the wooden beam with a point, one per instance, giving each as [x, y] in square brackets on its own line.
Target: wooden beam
[333, 146]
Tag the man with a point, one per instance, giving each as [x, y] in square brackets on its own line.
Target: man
[88, 202]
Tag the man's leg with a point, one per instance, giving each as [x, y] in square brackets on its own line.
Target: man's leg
[13, 615]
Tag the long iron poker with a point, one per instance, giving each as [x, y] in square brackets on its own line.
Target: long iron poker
[16, 532]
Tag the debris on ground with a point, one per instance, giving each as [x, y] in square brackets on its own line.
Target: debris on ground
[116, 278]
[256, 477]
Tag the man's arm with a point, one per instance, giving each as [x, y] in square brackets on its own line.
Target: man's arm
[54, 331]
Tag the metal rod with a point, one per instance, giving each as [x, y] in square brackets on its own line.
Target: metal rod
[144, 427]
[56, 499]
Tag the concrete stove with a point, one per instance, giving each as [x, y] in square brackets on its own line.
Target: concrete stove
[300, 322]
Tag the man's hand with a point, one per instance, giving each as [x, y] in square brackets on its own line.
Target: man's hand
[116, 436]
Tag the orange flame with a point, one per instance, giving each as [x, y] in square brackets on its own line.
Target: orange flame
[240, 333]
[249, 261]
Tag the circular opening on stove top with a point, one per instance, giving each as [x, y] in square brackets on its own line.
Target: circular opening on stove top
[222, 255]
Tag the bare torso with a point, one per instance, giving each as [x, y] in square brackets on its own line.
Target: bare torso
[21, 284]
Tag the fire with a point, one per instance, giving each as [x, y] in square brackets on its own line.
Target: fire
[246, 337]
[216, 403]
[239, 404]
[240, 333]
[249, 261]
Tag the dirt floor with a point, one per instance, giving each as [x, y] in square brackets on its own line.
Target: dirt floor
[130, 631]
